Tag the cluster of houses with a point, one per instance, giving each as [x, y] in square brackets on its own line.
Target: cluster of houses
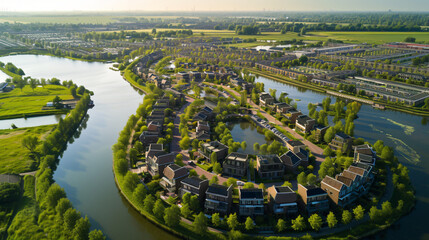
[204, 71]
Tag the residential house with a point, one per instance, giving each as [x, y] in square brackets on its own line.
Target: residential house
[265, 99]
[157, 163]
[320, 132]
[182, 76]
[147, 138]
[295, 145]
[214, 147]
[293, 160]
[282, 107]
[173, 175]
[282, 200]
[236, 165]
[340, 192]
[304, 123]
[154, 149]
[218, 199]
[342, 142]
[364, 154]
[203, 136]
[194, 186]
[251, 202]
[313, 199]
[154, 127]
[292, 114]
[202, 126]
[269, 166]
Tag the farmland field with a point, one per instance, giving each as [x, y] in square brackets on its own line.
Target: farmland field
[15, 158]
[28, 102]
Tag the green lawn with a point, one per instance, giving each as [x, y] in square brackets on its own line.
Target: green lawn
[27, 102]
[14, 158]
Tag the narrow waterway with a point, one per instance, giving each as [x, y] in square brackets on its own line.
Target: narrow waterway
[85, 170]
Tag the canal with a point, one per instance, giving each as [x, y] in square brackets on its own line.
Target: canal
[85, 170]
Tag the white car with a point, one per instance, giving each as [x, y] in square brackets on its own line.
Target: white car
[240, 183]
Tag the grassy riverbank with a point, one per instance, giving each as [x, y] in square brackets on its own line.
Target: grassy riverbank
[29, 102]
[15, 158]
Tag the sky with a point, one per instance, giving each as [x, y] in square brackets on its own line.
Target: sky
[213, 5]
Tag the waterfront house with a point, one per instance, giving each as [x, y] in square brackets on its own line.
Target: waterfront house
[173, 175]
[293, 160]
[157, 163]
[364, 154]
[202, 136]
[304, 123]
[339, 190]
[265, 99]
[154, 149]
[194, 186]
[236, 165]
[282, 107]
[218, 199]
[282, 200]
[313, 199]
[292, 114]
[251, 202]
[214, 147]
[320, 132]
[147, 138]
[269, 166]
[342, 142]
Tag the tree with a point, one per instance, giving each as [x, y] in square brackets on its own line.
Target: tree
[96, 235]
[53, 195]
[186, 211]
[213, 157]
[358, 212]
[9, 192]
[302, 178]
[70, 218]
[149, 201]
[248, 185]
[249, 224]
[20, 84]
[200, 224]
[217, 168]
[63, 205]
[329, 135]
[256, 147]
[311, 179]
[130, 181]
[33, 84]
[375, 214]
[81, 230]
[172, 216]
[30, 142]
[232, 181]
[315, 222]
[281, 225]
[332, 220]
[194, 203]
[193, 173]
[378, 146]
[158, 209]
[232, 221]
[347, 217]
[410, 39]
[186, 198]
[243, 145]
[184, 143]
[139, 194]
[387, 153]
[214, 180]
[298, 224]
[216, 220]
[386, 209]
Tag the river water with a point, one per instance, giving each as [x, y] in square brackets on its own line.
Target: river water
[85, 170]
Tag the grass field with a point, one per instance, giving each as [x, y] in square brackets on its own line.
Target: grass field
[17, 103]
[349, 37]
[14, 158]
